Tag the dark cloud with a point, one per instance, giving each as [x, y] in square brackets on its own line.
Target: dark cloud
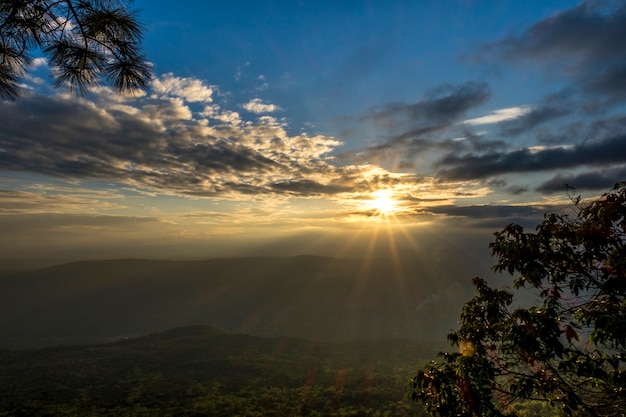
[594, 181]
[308, 188]
[585, 42]
[580, 131]
[67, 138]
[569, 132]
[477, 143]
[159, 144]
[582, 52]
[491, 217]
[588, 29]
[411, 138]
[225, 157]
[442, 105]
[594, 153]
[606, 127]
[410, 132]
[611, 80]
[517, 189]
[154, 143]
[532, 119]
[487, 211]
[497, 224]
[413, 125]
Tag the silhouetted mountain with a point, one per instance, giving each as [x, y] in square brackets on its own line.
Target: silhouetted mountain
[304, 296]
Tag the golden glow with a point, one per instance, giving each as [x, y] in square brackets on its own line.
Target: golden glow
[382, 203]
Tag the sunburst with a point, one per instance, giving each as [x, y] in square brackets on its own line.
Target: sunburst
[382, 203]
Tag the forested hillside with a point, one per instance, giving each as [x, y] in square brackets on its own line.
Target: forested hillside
[199, 371]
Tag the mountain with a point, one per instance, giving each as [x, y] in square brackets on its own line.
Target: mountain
[200, 371]
[312, 297]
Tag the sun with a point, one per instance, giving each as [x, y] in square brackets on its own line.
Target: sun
[382, 202]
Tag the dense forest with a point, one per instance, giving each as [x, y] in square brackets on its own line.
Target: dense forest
[242, 371]
[199, 371]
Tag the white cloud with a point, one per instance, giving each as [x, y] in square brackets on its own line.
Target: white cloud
[160, 144]
[541, 148]
[500, 115]
[227, 116]
[39, 62]
[190, 89]
[239, 71]
[257, 106]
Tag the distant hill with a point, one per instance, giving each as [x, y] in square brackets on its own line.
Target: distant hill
[200, 371]
[318, 298]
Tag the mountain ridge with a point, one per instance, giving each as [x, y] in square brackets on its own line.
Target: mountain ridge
[305, 296]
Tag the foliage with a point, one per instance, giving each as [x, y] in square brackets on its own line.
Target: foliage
[83, 40]
[198, 371]
[568, 348]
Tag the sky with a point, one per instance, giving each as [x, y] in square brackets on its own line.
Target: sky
[353, 128]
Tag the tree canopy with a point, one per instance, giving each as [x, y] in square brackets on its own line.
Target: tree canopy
[568, 348]
[84, 42]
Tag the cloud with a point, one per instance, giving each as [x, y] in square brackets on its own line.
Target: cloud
[159, 143]
[57, 200]
[442, 105]
[488, 211]
[39, 62]
[576, 127]
[190, 89]
[585, 42]
[594, 153]
[532, 119]
[517, 189]
[417, 128]
[239, 71]
[309, 188]
[592, 180]
[500, 115]
[257, 106]
[493, 217]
